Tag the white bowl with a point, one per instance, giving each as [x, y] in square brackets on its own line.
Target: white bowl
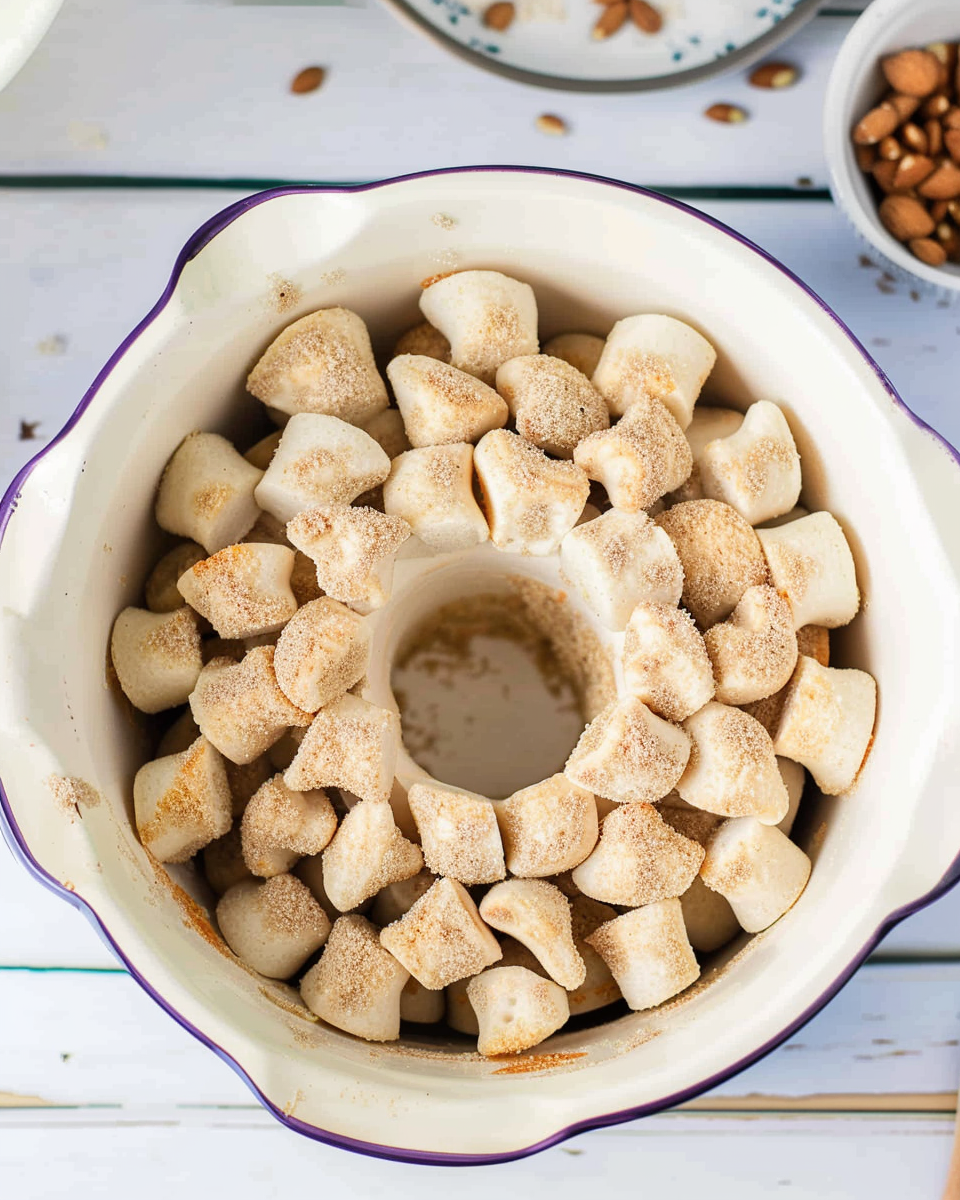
[856, 85]
[76, 529]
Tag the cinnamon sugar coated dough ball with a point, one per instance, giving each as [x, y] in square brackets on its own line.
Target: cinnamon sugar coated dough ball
[458, 832]
[245, 779]
[757, 869]
[321, 653]
[350, 744]
[648, 952]
[272, 925]
[459, 1011]
[733, 768]
[486, 317]
[160, 590]
[240, 708]
[619, 560]
[442, 938]
[638, 460]
[353, 550]
[223, 863]
[639, 859]
[388, 431]
[516, 1009]
[320, 460]
[420, 1005]
[356, 985]
[665, 661]
[720, 553]
[826, 723]
[391, 902]
[366, 853]
[814, 641]
[206, 492]
[794, 780]
[322, 363]
[432, 490]
[709, 920]
[531, 501]
[706, 425]
[547, 828]
[754, 651]
[182, 802]
[811, 563]
[442, 405]
[756, 470]
[656, 357]
[629, 754]
[553, 405]
[156, 656]
[423, 339]
[179, 736]
[537, 914]
[242, 590]
[599, 988]
[580, 350]
[280, 826]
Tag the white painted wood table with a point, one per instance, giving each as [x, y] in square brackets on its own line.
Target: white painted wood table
[132, 124]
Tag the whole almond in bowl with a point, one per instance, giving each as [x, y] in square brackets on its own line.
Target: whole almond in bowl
[906, 218]
[912, 72]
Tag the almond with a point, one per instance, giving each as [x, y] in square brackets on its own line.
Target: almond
[928, 251]
[610, 20]
[906, 106]
[951, 139]
[879, 123]
[949, 238]
[499, 16]
[934, 134]
[951, 119]
[552, 124]
[914, 138]
[890, 148]
[726, 114]
[885, 172]
[307, 80]
[905, 218]
[911, 171]
[912, 72]
[936, 106]
[866, 156]
[943, 183]
[645, 16]
[946, 54]
[774, 75]
[939, 209]
[953, 208]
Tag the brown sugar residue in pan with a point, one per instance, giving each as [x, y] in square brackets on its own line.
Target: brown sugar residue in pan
[539, 1062]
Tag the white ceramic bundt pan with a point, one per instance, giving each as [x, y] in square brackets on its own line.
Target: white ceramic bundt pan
[77, 541]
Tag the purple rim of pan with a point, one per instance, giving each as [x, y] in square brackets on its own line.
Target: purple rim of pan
[18, 845]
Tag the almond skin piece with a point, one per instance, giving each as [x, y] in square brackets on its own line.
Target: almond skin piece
[914, 138]
[726, 114]
[928, 251]
[934, 132]
[879, 123]
[911, 171]
[610, 20]
[951, 139]
[499, 16]
[912, 72]
[774, 75]
[905, 218]
[645, 16]
[943, 184]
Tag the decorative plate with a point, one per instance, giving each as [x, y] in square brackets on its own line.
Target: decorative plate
[550, 42]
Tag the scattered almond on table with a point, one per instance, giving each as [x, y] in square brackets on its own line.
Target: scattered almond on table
[307, 80]
[726, 114]
[909, 146]
[551, 124]
[774, 75]
[499, 16]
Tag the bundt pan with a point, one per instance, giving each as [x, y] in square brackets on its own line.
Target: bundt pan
[77, 539]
